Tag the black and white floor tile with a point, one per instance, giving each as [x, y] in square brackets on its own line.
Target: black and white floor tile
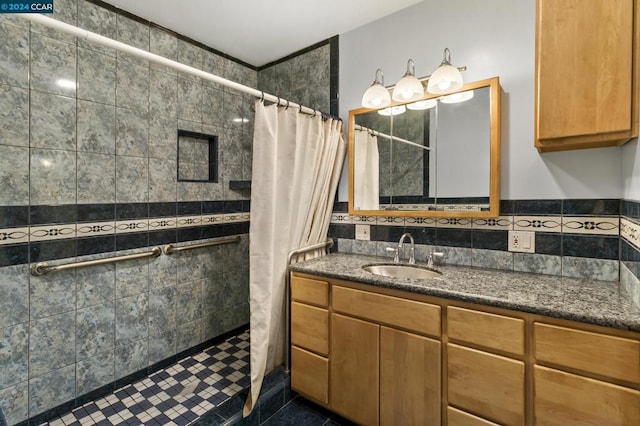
[177, 395]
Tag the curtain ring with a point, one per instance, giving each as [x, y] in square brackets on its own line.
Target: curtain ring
[262, 96]
[278, 103]
[314, 113]
[287, 107]
[300, 109]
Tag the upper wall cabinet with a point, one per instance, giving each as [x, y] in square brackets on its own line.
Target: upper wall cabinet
[586, 73]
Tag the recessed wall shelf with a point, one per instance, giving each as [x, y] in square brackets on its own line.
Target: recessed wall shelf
[239, 184]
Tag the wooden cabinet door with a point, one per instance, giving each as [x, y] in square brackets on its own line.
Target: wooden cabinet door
[487, 385]
[584, 70]
[355, 363]
[410, 379]
[564, 399]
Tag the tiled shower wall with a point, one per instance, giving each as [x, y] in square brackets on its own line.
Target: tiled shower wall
[573, 238]
[88, 170]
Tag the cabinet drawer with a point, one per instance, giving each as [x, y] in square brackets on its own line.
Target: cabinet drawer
[310, 328]
[457, 417]
[307, 290]
[489, 385]
[596, 353]
[565, 399]
[484, 329]
[408, 314]
[310, 374]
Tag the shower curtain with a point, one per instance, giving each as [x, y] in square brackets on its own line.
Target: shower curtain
[366, 191]
[297, 160]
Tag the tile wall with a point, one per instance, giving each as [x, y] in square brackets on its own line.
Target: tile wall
[88, 170]
[630, 248]
[573, 238]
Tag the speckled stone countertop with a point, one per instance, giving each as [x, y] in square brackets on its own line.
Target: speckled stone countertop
[589, 301]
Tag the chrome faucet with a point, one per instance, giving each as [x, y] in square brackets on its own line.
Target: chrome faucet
[433, 254]
[412, 249]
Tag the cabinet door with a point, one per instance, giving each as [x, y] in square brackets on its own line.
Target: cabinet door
[584, 69]
[355, 348]
[564, 399]
[310, 374]
[488, 385]
[410, 384]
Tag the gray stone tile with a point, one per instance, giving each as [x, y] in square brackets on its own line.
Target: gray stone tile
[212, 260]
[213, 64]
[53, 121]
[14, 56]
[190, 191]
[132, 278]
[97, 20]
[189, 335]
[132, 86]
[235, 288]
[14, 113]
[276, 79]
[96, 127]
[235, 316]
[14, 355]
[537, 263]
[95, 331]
[188, 268]
[52, 389]
[131, 357]
[189, 302]
[597, 269]
[233, 108]
[132, 179]
[96, 178]
[14, 401]
[96, 76]
[14, 175]
[162, 310]
[53, 176]
[162, 346]
[345, 245]
[213, 294]
[213, 324]
[189, 100]
[631, 283]
[51, 343]
[166, 45]
[191, 126]
[212, 106]
[51, 294]
[190, 55]
[93, 373]
[95, 285]
[15, 20]
[133, 33]
[65, 11]
[162, 180]
[53, 66]
[132, 318]
[493, 259]
[163, 273]
[14, 303]
[132, 133]
[238, 73]
[163, 94]
[163, 137]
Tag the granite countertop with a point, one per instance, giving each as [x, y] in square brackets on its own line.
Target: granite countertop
[589, 301]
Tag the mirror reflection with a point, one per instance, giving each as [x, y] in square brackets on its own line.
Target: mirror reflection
[437, 155]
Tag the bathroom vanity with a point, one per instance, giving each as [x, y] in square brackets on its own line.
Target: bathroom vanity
[473, 347]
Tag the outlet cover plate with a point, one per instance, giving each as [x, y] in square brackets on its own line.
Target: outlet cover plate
[363, 232]
[522, 241]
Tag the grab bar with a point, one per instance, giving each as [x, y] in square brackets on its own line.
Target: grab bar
[170, 249]
[327, 245]
[42, 268]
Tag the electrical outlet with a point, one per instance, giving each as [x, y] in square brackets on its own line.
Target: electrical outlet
[522, 241]
[363, 232]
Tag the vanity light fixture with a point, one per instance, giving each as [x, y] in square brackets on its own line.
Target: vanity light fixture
[457, 97]
[446, 78]
[424, 104]
[376, 96]
[394, 110]
[409, 88]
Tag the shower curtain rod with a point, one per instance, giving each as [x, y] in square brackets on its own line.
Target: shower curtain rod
[393, 138]
[123, 47]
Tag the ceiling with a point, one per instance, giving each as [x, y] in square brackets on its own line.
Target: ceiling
[261, 31]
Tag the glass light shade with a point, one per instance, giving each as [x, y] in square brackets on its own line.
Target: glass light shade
[376, 96]
[445, 79]
[424, 104]
[394, 110]
[457, 97]
[408, 89]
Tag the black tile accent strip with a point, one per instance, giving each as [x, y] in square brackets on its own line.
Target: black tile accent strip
[163, 237]
[14, 216]
[536, 207]
[187, 208]
[591, 207]
[490, 240]
[630, 209]
[340, 207]
[234, 206]
[95, 245]
[590, 246]
[50, 250]
[42, 215]
[132, 241]
[189, 234]
[385, 233]
[16, 254]
[212, 207]
[549, 243]
[162, 209]
[421, 235]
[132, 211]
[96, 212]
[453, 237]
[339, 230]
[334, 75]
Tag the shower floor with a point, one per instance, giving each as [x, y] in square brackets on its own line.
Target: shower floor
[176, 395]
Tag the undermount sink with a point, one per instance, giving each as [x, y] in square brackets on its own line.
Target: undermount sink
[402, 271]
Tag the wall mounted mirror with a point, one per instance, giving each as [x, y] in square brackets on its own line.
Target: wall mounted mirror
[439, 156]
[197, 157]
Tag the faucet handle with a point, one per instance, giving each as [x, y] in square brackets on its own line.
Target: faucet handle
[396, 254]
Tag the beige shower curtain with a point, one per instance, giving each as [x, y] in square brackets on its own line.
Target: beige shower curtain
[366, 191]
[297, 160]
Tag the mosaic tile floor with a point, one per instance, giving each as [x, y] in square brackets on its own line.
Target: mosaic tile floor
[177, 395]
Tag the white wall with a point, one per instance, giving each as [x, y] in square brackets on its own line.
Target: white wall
[493, 38]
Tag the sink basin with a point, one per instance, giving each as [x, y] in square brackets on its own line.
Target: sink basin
[402, 271]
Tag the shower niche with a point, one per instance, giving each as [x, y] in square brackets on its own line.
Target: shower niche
[197, 157]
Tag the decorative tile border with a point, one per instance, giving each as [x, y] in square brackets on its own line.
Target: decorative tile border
[537, 223]
[67, 231]
[421, 222]
[590, 225]
[630, 231]
[504, 223]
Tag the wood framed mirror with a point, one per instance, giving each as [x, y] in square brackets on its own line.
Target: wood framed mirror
[439, 156]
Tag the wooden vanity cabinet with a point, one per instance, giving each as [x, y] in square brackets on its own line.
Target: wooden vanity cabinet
[586, 73]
